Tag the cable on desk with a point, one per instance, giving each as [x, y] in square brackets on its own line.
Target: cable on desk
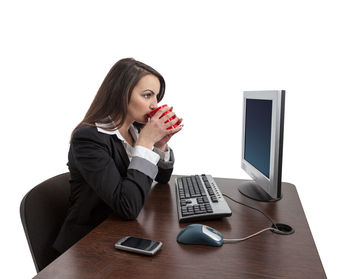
[230, 240]
[251, 207]
[276, 228]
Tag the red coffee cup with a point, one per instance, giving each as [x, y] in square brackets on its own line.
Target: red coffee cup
[153, 112]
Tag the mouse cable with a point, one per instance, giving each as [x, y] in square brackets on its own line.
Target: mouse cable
[274, 226]
[230, 240]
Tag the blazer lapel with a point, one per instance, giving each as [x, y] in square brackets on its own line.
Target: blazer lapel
[123, 164]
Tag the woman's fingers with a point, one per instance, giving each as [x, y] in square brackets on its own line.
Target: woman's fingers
[171, 123]
[160, 112]
[176, 126]
[173, 131]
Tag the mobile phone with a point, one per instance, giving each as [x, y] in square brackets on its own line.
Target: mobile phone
[138, 245]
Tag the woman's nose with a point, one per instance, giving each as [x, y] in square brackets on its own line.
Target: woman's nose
[154, 105]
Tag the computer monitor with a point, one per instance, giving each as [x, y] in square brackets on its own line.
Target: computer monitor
[262, 144]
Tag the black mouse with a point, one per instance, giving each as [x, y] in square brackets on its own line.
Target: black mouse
[200, 234]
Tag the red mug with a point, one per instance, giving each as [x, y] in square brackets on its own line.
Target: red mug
[153, 112]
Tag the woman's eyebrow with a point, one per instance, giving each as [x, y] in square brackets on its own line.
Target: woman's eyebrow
[150, 91]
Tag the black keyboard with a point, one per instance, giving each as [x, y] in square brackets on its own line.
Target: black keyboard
[199, 198]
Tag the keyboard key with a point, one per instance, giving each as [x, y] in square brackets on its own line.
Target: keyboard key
[210, 191]
[200, 200]
[207, 205]
[186, 213]
[183, 202]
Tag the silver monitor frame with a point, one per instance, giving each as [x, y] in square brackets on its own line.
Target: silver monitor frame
[270, 186]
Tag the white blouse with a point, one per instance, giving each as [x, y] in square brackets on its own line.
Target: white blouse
[152, 156]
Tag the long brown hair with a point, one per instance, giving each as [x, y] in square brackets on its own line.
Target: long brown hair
[112, 98]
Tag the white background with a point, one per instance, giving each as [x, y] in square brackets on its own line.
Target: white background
[54, 56]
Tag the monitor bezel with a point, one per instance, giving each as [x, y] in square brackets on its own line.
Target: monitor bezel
[272, 185]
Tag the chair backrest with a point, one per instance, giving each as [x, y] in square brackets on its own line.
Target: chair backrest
[43, 210]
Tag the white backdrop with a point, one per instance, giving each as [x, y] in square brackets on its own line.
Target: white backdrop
[54, 56]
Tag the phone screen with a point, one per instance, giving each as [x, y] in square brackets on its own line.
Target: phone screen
[140, 243]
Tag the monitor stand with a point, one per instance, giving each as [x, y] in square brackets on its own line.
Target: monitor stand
[253, 191]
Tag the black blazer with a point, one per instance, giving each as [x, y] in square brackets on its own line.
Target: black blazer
[101, 183]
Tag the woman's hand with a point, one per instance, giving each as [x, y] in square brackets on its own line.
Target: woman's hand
[156, 133]
[162, 144]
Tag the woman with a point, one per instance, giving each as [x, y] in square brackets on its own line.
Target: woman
[112, 165]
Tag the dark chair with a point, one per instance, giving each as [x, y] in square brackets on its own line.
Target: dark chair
[43, 210]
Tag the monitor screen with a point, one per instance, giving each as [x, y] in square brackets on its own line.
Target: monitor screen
[257, 138]
[262, 143]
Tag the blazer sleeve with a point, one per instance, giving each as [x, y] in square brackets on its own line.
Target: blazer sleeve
[93, 157]
[165, 169]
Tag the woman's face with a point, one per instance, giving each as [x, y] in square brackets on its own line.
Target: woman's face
[143, 99]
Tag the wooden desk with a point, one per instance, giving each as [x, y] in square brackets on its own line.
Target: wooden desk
[268, 255]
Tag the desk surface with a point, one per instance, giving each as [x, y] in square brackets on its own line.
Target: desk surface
[268, 255]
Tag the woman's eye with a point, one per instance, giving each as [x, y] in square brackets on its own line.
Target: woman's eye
[147, 95]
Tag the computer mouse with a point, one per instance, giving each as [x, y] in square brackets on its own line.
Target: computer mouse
[200, 234]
